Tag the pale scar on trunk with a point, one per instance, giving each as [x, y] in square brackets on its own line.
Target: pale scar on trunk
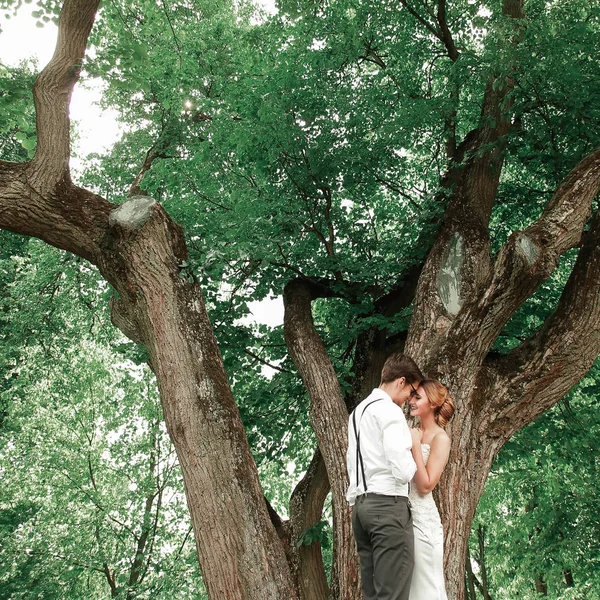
[133, 213]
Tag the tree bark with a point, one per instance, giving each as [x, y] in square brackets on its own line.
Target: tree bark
[541, 587]
[329, 420]
[202, 418]
[463, 299]
[466, 296]
[306, 508]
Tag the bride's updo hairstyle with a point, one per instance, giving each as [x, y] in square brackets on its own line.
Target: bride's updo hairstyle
[440, 400]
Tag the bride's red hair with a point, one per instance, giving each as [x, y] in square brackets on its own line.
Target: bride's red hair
[440, 400]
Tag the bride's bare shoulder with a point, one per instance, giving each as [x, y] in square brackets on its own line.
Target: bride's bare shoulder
[441, 438]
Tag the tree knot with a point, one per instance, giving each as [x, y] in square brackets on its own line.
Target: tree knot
[133, 213]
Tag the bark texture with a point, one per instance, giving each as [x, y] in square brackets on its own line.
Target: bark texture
[306, 508]
[466, 296]
[329, 420]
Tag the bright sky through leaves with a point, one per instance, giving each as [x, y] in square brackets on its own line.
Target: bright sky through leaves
[21, 39]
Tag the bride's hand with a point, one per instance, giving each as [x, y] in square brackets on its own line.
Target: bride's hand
[416, 435]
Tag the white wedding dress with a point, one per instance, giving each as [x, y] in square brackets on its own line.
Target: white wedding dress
[428, 575]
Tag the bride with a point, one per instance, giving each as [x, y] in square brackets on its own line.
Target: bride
[431, 447]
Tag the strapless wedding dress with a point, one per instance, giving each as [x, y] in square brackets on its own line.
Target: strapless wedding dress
[428, 575]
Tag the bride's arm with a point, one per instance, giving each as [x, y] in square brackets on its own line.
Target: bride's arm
[427, 477]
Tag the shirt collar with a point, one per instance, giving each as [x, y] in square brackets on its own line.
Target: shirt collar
[379, 393]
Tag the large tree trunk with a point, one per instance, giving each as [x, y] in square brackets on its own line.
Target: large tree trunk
[142, 251]
[465, 297]
[329, 419]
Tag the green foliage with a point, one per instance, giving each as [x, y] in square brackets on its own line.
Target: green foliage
[17, 118]
[309, 143]
[319, 532]
[315, 145]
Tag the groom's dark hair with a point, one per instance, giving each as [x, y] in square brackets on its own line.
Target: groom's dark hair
[399, 365]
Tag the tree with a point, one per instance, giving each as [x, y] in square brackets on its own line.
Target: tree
[495, 122]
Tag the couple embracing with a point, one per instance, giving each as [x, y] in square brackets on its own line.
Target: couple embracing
[392, 471]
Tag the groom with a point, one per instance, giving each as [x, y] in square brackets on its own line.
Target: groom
[380, 465]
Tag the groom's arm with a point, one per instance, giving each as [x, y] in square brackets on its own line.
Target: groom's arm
[397, 444]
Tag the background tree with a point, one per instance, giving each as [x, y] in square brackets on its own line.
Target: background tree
[418, 173]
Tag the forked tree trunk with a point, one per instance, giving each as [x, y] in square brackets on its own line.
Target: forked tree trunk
[463, 299]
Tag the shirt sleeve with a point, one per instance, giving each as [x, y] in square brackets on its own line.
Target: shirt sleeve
[397, 444]
[351, 467]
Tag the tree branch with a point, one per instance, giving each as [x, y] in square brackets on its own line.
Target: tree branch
[459, 265]
[420, 19]
[152, 154]
[53, 88]
[529, 257]
[262, 361]
[37, 198]
[539, 372]
[444, 31]
[328, 417]
[68, 217]
[164, 4]
[306, 508]
[135, 572]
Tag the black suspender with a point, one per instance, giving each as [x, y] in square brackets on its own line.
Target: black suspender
[359, 459]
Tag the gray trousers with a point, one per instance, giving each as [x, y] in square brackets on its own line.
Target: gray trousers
[383, 529]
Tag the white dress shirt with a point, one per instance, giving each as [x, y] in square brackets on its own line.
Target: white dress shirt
[385, 445]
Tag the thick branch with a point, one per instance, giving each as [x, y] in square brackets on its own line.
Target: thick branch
[403, 292]
[54, 86]
[306, 509]
[37, 198]
[459, 265]
[280, 525]
[538, 373]
[444, 31]
[530, 256]
[370, 353]
[374, 344]
[69, 217]
[328, 417]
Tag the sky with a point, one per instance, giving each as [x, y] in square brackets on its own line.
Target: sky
[98, 130]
